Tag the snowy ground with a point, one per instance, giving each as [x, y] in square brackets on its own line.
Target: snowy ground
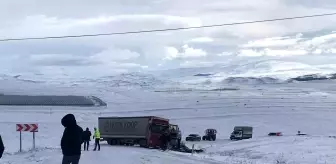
[309, 107]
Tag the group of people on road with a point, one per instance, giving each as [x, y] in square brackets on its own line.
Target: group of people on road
[73, 138]
[87, 138]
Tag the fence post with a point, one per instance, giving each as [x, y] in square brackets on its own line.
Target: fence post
[192, 149]
[33, 140]
[20, 141]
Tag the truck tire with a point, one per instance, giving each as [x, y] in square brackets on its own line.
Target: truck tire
[143, 143]
[213, 138]
[203, 138]
[109, 142]
[112, 142]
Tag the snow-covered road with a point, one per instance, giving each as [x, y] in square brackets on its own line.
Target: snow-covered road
[108, 154]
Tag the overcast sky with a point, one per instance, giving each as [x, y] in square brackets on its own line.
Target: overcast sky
[107, 55]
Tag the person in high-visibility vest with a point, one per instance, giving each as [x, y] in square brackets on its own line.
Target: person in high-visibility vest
[96, 136]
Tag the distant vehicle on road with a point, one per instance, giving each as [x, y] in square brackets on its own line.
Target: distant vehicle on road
[210, 135]
[275, 134]
[193, 137]
[241, 132]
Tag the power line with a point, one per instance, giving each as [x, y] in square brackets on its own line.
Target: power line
[168, 29]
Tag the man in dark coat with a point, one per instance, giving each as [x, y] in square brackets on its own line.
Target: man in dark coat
[165, 139]
[2, 147]
[86, 139]
[71, 142]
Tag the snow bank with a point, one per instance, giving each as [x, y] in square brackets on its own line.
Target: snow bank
[274, 150]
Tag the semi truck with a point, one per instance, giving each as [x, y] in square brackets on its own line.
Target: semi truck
[241, 132]
[144, 130]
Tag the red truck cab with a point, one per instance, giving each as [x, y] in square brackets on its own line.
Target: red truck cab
[156, 128]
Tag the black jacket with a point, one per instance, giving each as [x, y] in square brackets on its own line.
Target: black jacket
[2, 147]
[71, 141]
[165, 138]
[87, 135]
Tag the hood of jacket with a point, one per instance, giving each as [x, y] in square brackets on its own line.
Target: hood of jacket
[69, 121]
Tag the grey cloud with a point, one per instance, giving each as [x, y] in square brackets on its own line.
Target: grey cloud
[53, 18]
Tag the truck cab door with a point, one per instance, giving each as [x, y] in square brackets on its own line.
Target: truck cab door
[239, 134]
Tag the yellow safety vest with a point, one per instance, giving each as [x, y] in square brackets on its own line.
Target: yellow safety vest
[97, 134]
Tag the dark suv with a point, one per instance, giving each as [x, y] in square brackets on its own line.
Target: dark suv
[210, 135]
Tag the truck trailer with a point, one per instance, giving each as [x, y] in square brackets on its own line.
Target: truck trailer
[144, 131]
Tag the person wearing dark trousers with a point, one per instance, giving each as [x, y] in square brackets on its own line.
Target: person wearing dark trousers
[165, 139]
[96, 137]
[179, 143]
[2, 147]
[86, 138]
[71, 142]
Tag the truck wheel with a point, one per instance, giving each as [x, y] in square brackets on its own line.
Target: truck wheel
[112, 142]
[203, 138]
[143, 143]
[214, 138]
[144, 146]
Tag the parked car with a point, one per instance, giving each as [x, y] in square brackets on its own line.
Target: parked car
[193, 137]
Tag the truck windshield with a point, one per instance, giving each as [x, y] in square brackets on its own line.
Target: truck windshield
[157, 128]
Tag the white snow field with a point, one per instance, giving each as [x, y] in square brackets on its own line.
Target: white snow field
[287, 107]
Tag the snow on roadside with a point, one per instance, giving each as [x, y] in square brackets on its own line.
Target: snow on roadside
[273, 150]
[107, 155]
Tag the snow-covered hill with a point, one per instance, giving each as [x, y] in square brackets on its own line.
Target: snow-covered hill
[287, 107]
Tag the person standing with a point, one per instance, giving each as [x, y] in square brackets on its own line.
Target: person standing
[71, 142]
[179, 138]
[96, 136]
[164, 138]
[86, 138]
[2, 147]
